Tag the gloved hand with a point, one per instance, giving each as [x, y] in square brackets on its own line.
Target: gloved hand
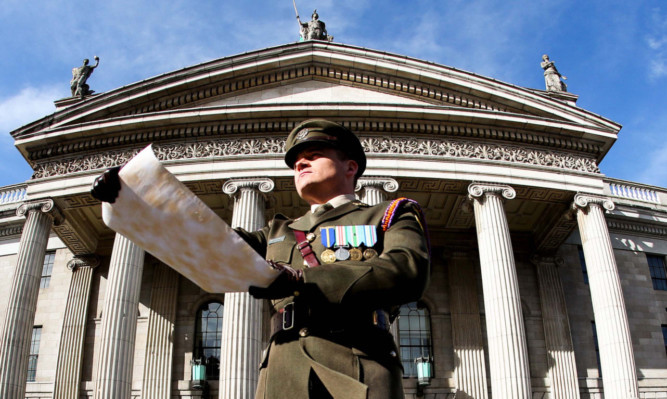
[107, 185]
[286, 284]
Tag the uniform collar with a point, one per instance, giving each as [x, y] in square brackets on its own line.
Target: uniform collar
[307, 222]
[335, 201]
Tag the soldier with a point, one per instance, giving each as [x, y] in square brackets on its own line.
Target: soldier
[345, 267]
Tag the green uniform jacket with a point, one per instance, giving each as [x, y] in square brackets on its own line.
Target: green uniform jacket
[362, 361]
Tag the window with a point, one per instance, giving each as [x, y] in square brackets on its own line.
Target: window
[582, 261]
[656, 265]
[46, 269]
[414, 334]
[34, 353]
[597, 348]
[664, 336]
[208, 334]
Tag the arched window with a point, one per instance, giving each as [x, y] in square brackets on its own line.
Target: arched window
[414, 335]
[208, 334]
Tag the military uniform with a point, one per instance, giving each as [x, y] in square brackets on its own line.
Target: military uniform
[331, 337]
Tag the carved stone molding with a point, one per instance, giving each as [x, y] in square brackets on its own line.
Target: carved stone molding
[264, 185]
[555, 232]
[88, 260]
[477, 190]
[11, 231]
[384, 183]
[241, 147]
[582, 201]
[637, 228]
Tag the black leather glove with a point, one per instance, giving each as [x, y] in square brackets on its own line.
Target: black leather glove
[107, 185]
[286, 284]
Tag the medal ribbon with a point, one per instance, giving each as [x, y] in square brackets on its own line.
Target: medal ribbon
[341, 237]
[328, 236]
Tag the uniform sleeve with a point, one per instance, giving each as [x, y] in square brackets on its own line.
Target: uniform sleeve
[398, 275]
[256, 239]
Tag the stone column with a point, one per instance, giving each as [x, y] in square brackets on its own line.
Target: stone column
[160, 345]
[619, 376]
[558, 339]
[470, 367]
[119, 321]
[22, 299]
[372, 190]
[241, 349]
[70, 352]
[508, 351]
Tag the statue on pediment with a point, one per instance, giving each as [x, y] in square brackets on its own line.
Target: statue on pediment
[80, 75]
[313, 29]
[552, 78]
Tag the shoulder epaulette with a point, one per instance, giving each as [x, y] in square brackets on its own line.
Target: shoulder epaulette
[391, 212]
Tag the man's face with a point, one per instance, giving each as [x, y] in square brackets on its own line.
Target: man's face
[320, 174]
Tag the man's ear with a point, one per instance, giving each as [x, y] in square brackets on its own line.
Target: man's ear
[352, 168]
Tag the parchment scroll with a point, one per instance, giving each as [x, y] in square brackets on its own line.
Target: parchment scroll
[161, 215]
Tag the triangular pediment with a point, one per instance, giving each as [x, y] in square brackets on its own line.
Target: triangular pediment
[312, 91]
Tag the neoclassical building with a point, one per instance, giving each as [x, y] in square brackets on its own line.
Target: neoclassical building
[548, 278]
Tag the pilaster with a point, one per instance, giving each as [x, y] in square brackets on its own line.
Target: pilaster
[119, 321]
[22, 301]
[558, 338]
[70, 352]
[159, 348]
[470, 371]
[508, 350]
[619, 376]
[242, 320]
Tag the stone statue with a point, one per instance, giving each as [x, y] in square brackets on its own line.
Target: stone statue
[79, 77]
[313, 29]
[552, 78]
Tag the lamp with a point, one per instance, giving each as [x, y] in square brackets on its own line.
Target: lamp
[424, 374]
[198, 373]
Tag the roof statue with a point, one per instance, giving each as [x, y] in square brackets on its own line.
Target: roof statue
[313, 29]
[552, 78]
[79, 77]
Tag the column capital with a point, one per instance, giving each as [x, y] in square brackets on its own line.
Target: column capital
[582, 201]
[88, 260]
[477, 190]
[262, 184]
[45, 205]
[386, 183]
[538, 259]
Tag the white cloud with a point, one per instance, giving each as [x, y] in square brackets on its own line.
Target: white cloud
[28, 105]
[655, 172]
[656, 40]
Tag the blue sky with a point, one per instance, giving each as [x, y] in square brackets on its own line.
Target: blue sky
[614, 53]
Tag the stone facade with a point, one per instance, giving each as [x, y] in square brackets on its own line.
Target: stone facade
[507, 176]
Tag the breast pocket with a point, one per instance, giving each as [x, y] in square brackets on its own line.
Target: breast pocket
[280, 249]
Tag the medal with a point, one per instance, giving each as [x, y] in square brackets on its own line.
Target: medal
[342, 254]
[370, 253]
[355, 254]
[328, 256]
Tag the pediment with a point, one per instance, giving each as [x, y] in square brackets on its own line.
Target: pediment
[313, 91]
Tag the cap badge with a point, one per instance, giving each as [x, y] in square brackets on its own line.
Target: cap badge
[302, 134]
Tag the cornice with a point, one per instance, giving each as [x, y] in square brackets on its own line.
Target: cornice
[637, 228]
[281, 128]
[445, 148]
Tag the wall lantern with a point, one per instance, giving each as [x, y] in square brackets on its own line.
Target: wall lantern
[424, 373]
[198, 373]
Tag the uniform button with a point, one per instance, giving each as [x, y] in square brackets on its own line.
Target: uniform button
[310, 237]
[392, 354]
[304, 332]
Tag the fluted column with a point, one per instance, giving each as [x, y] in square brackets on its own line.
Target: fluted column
[619, 376]
[242, 319]
[70, 352]
[508, 353]
[160, 345]
[558, 339]
[372, 190]
[22, 301]
[470, 367]
[119, 321]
